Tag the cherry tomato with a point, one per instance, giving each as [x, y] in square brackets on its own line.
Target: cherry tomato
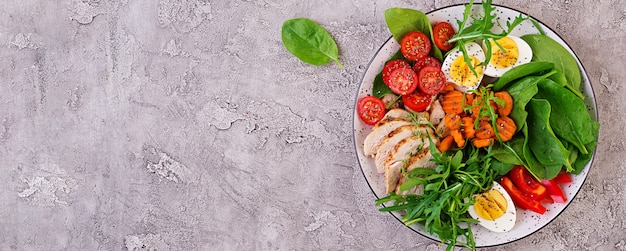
[443, 32]
[527, 183]
[403, 81]
[431, 80]
[415, 45]
[554, 191]
[392, 65]
[426, 61]
[417, 101]
[370, 109]
[519, 199]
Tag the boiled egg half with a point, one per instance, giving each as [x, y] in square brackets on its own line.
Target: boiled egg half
[516, 52]
[457, 71]
[494, 209]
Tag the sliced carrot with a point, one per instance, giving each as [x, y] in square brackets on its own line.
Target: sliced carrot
[467, 127]
[452, 121]
[453, 102]
[485, 131]
[446, 143]
[448, 87]
[506, 128]
[480, 143]
[508, 103]
[458, 138]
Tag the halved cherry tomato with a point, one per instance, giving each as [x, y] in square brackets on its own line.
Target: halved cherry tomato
[415, 45]
[426, 61]
[431, 80]
[392, 65]
[519, 199]
[562, 178]
[527, 183]
[554, 191]
[370, 109]
[417, 101]
[402, 81]
[443, 32]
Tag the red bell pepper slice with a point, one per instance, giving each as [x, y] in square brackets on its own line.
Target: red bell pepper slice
[519, 199]
[527, 183]
[562, 178]
[554, 191]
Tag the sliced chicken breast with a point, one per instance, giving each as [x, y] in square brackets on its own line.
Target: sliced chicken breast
[392, 139]
[379, 133]
[406, 148]
[436, 113]
[422, 160]
[392, 175]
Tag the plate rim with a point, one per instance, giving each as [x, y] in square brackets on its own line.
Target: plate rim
[594, 106]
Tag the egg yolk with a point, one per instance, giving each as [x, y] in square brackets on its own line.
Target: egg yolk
[490, 205]
[506, 58]
[461, 73]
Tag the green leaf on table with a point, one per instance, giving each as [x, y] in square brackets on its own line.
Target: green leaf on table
[309, 42]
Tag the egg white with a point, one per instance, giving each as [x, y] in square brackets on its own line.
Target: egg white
[525, 54]
[473, 49]
[506, 222]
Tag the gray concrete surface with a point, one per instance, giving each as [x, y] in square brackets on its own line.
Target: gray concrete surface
[186, 125]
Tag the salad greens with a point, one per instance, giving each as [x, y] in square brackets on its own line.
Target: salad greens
[309, 42]
[448, 191]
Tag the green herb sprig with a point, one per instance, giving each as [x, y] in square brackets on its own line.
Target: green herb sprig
[481, 29]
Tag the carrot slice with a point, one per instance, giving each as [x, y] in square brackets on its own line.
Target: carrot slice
[458, 138]
[446, 143]
[480, 143]
[508, 103]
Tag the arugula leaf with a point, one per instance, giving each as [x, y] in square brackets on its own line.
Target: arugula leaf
[309, 42]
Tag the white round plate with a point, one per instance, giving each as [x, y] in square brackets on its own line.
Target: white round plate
[528, 222]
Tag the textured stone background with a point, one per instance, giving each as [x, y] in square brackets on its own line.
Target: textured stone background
[185, 125]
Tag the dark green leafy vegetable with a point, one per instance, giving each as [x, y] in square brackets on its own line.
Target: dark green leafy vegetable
[569, 118]
[379, 88]
[401, 21]
[548, 50]
[520, 71]
[309, 42]
[544, 144]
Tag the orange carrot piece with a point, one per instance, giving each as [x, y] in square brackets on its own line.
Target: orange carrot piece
[458, 138]
[480, 143]
[467, 127]
[446, 143]
[506, 128]
[452, 121]
[508, 103]
[485, 131]
[452, 102]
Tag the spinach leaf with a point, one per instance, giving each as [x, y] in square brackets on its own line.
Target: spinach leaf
[544, 144]
[309, 42]
[569, 117]
[548, 50]
[521, 92]
[532, 164]
[401, 21]
[520, 71]
[582, 159]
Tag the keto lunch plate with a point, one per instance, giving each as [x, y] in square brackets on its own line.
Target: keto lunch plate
[527, 222]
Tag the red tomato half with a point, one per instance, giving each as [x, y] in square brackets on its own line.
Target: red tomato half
[426, 61]
[431, 80]
[415, 45]
[392, 65]
[519, 199]
[417, 101]
[443, 31]
[403, 81]
[370, 109]
[527, 183]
